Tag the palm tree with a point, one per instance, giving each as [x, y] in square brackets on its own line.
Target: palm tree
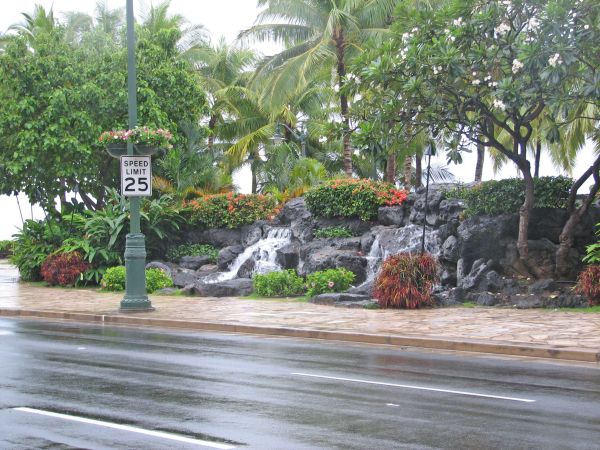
[320, 37]
[35, 24]
[172, 31]
[223, 74]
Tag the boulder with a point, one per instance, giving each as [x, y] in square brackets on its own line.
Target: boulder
[355, 264]
[246, 269]
[183, 277]
[188, 290]
[486, 237]
[194, 262]
[478, 271]
[450, 249]
[165, 267]
[365, 289]
[391, 215]
[251, 234]
[293, 211]
[337, 297]
[450, 210]
[218, 237]
[232, 288]
[228, 255]
[288, 256]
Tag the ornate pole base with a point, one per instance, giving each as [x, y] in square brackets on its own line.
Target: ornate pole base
[135, 299]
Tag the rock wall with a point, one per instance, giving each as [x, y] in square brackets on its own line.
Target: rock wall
[478, 256]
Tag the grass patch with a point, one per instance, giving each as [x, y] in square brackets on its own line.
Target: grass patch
[585, 309]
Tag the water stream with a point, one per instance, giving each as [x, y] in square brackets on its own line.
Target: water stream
[264, 254]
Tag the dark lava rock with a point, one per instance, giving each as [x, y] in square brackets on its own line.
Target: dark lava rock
[228, 255]
[288, 256]
[184, 277]
[337, 297]
[232, 288]
[194, 262]
[219, 237]
[391, 215]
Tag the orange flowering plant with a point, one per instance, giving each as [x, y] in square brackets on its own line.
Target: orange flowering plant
[231, 210]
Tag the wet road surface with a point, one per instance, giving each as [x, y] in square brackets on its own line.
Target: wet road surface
[64, 385]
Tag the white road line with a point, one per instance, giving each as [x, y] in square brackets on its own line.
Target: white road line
[100, 423]
[421, 388]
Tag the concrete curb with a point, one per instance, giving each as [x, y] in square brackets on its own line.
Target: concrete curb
[466, 345]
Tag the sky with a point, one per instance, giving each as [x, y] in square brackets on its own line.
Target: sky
[222, 18]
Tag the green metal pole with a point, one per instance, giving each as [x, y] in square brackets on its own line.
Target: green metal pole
[135, 245]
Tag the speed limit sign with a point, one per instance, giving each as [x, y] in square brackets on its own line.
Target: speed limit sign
[136, 176]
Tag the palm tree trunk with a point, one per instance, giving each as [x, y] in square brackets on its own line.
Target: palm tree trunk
[418, 170]
[390, 168]
[340, 46]
[211, 135]
[479, 165]
[408, 172]
[538, 155]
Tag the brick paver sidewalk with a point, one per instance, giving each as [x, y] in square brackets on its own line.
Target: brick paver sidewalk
[557, 329]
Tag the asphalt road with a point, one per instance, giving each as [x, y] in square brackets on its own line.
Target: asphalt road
[83, 386]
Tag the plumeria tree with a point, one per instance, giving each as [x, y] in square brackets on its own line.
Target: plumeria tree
[471, 69]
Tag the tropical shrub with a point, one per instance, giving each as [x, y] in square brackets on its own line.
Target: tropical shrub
[278, 284]
[6, 248]
[330, 280]
[406, 281]
[231, 210]
[506, 196]
[114, 279]
[157, 279]
[352, 198]
[588, 284]
[174, 254]
[63, 269]
[35, 241]
[593, 250]
[333, 232]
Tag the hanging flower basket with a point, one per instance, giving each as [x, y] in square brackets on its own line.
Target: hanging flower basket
[146, 141]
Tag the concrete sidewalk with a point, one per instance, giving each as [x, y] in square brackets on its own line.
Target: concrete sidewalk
[539, 333]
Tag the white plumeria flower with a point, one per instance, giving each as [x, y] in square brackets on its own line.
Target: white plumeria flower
[323, 139]
[476, 82]
[555, 60]
[502, 29]
[499, 104]
[457, 22]
[516, 65]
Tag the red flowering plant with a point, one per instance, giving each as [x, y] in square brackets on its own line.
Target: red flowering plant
[153, 137]
[349, 197]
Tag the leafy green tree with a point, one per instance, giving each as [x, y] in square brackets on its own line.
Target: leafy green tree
[472, 68]
[58, 96]
[320, 38]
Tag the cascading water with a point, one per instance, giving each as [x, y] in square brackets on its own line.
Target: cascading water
[264, 254]
[400, 240]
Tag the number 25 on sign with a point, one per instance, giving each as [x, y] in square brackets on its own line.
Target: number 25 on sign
[136, 176]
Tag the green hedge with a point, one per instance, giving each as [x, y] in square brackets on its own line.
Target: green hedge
[333, 232]
[114, 279]
[330, 280]
[352, 198]
[506, 196]
[278, 284]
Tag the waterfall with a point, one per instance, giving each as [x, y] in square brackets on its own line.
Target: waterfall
[400, 240]
[373, 260]
[264, 253]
